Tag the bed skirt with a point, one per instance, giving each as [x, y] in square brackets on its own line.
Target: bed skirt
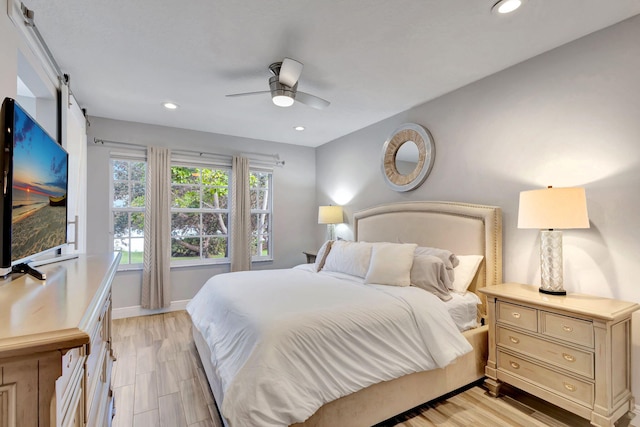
[384, 400]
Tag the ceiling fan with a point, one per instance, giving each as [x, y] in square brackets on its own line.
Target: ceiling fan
[283, 86]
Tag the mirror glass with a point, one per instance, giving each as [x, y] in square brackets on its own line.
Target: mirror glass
[407, 157]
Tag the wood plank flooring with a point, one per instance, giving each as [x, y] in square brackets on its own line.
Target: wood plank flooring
[158, 381]
[158, 378]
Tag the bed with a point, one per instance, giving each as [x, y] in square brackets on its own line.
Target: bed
[465, 229]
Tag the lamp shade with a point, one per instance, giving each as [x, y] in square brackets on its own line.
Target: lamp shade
[553, 208]
[330, 215]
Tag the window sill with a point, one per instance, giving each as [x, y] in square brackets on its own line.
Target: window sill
[138, 267]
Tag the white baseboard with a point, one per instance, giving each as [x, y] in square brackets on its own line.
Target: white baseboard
[136, 310]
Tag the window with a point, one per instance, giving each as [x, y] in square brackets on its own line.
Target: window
[199, 214]
[128, 208]
[260, 191]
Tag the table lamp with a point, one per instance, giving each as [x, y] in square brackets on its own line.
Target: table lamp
[330, 215]
[550, 209]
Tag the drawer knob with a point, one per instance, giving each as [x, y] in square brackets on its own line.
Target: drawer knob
[569, 387]
[567, 328]
[568, 357]
[516, 314]
[514, 365]
[514, 339]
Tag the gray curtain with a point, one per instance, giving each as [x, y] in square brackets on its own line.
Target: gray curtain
[240, 215]
[156, 281]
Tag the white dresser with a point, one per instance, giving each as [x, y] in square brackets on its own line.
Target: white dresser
[573, 351]
[55, 345]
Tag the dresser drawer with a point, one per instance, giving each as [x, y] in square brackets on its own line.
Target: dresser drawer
[517, 315]
[567, 328]
[69, 362]
[95, 360]
[581, 392]
[73, 416]
[577, 361]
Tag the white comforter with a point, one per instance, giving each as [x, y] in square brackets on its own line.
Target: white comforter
[285, 342]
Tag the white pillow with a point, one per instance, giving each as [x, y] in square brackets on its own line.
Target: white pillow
[391, 264]
[349, 257]
[465, 271]
[321, 257]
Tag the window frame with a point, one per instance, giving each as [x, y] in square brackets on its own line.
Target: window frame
[268, 211]
[184, 162]
[113, 210]
[187, 161]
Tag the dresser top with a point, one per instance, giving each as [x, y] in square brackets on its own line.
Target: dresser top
[38, 315]
[588, 305]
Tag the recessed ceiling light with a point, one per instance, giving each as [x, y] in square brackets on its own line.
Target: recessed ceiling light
[506, 6]
[299, 128]
[170, 105]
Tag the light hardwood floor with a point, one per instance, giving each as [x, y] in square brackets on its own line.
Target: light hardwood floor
[158, 378]
[158, 381]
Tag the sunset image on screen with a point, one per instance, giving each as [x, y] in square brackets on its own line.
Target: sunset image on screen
[39, 190]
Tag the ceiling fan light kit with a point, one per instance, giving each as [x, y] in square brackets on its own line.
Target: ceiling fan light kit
[283, 86]
[281, 94]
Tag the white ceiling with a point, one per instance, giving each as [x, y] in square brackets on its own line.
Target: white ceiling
[371, 58]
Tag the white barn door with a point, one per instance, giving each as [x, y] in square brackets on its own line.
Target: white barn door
[74, 140]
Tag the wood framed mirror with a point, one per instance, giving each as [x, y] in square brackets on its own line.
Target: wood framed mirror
[407, 157]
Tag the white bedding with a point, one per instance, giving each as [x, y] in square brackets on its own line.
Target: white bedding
[463, 309]
[285, 342]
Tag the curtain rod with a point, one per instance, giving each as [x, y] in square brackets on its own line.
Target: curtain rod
[276, 156]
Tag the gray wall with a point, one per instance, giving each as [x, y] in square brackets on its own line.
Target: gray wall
[569, 117]
[294, 199]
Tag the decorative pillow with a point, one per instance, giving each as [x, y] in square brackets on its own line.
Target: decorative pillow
[466, 271]
[449, 258]
[321, 257]
[430, 273]
[391, 264]
[349, 257]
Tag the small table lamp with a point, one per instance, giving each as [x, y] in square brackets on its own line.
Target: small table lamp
[549, 209]
[330, 215]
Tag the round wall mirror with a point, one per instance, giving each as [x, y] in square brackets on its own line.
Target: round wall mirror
[407, 157]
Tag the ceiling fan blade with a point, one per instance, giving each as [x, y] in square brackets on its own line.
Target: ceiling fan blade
[290, 72]
[311, 100]
[247, 93]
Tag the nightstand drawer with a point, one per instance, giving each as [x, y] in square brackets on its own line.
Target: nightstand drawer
[581, 392]
[517, 315]
[567, 328]
[577, 361]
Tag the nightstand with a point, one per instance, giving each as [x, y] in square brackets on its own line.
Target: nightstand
[573, 351]
[311, 256]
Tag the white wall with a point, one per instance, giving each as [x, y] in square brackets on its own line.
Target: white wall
[294, 199]
[8, 53]
[569, 117]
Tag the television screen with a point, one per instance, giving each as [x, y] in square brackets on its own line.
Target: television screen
[39, 187]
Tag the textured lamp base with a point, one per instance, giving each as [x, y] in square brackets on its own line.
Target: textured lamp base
[551, 262]
[331, 232]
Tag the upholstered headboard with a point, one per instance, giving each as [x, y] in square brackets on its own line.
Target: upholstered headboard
[463, 228]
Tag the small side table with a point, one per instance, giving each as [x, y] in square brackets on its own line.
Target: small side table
[311, 256]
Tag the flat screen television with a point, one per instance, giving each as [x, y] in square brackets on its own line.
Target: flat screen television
[35, 181]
